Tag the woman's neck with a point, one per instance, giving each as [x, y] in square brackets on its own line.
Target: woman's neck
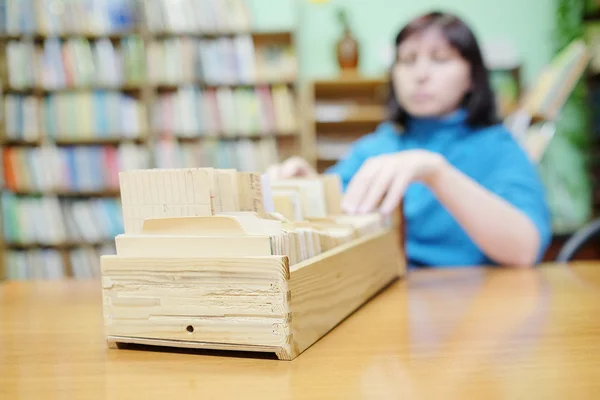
[455, 118]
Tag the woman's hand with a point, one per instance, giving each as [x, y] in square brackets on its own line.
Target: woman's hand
[384, 179]
[290, 168]
[503, 232]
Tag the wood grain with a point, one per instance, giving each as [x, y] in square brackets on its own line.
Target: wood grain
[451, 334]
[245, 301]
[326, 289]
[239, 300]
[163, 193]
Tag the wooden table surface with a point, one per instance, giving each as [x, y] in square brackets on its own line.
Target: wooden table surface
[460, 333]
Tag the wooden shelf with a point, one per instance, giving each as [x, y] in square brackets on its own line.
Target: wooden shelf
[93, 141]
[327, 160]
[217, 34]
[90, 88]
[374, 90]
[67, 35]
[323, 164]
[364, 122]
[236, 136]
[19, 142]
[81, 141]
[349, 81]
[349, 107]
[66, 193]
[202, 84]
[59, 246]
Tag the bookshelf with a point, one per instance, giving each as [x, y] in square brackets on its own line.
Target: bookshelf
[342, 110]
[93, 88]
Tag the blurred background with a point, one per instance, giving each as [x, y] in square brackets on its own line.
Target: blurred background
[94, 87]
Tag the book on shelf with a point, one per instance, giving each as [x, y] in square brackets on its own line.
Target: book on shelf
[222, 61]
[243, 154]
[194, 112]
[276, 61]
[2, 176]
[193, 16]
[39, 230]
[54, 17]
[49, 264]
[50, 221]
[21, 63]
[46, 264]
[71, 168]
[75, 62]
[75, 115]
[85, 260]
[556, 82]
[214, 61]
[21, 121]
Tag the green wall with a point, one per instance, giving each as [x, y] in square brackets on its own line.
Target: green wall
[528, 24]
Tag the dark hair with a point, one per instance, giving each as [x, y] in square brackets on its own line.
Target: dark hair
[480, 101]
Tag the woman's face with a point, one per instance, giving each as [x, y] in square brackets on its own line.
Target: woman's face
[430, 76]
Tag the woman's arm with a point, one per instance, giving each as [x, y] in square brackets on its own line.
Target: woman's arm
[503, 232]
[500, 228]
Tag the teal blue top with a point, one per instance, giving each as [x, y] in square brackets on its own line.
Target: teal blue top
[489, 155]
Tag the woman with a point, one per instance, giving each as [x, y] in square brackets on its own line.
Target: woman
[470, 194]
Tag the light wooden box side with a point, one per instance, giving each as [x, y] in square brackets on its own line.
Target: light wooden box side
[244, 303]
[230, 301]
[327, 289]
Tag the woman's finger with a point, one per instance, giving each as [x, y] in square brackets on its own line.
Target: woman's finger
[290, 169]
[377, 189]
[274, 172]
[296, 167]
[359, 185]
[394, 194]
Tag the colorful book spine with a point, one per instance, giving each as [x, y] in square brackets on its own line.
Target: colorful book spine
[50, 221]
[74, 116]
[38, 264]
[194, 16]
[72, 169]
[193, 112]
[56, 17]
[50, 264]
[243, 155]
[75, 62]
[223, 61]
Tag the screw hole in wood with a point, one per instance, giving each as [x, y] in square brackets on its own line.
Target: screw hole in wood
[190, 329]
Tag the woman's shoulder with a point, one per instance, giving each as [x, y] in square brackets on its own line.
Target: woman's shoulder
[497, 132]
[497, 139]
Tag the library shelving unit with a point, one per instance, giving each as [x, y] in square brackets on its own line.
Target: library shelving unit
[340, 111]
[89, 90]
